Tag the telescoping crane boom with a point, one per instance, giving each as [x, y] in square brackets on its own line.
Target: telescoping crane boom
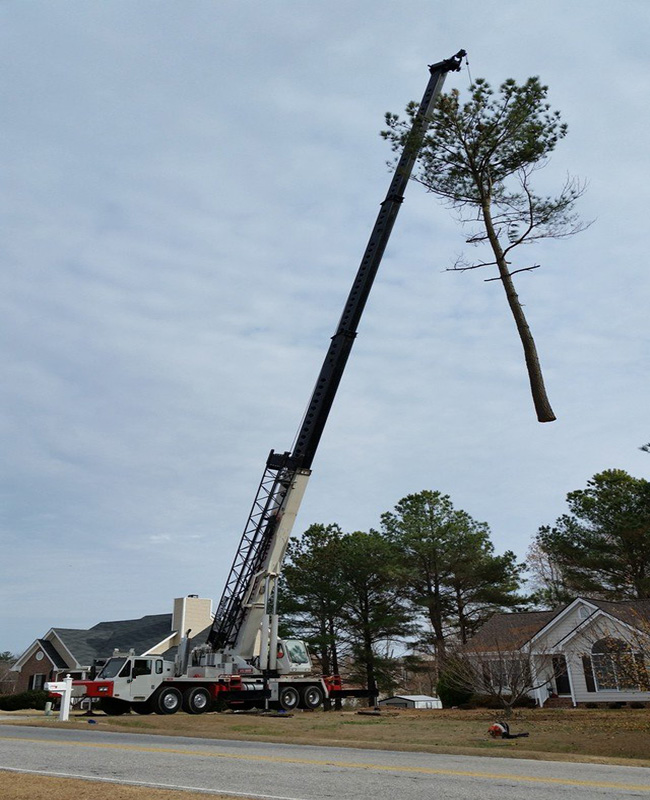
[243, 663]
[244, 605]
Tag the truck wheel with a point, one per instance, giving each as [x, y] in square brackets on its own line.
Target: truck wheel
[167, 701]
[196, 700]
[289, 698]
[142, 708]
[113, 707]
[312, 697]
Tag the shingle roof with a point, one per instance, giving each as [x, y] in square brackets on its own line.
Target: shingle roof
[100, 640]
[49, 649]
[195, 641]
[509, 631]
[632, 612]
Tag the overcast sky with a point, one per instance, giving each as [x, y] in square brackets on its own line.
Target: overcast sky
[188, 187]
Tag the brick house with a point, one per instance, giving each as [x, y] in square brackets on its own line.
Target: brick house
[63, 651]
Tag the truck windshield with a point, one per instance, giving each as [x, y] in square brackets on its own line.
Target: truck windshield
[297, 651]
[111, 668]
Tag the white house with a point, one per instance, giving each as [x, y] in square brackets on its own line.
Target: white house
[588, 651]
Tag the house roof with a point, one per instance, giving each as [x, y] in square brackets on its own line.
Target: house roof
[509, 630]
[76, 648]
[512, 631]
[633, 612]
[195, 641]
[100, 640]
[51, 652]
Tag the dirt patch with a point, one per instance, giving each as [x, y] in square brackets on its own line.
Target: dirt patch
[23, 786]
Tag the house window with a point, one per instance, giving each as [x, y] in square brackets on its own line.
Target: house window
[588, 670]
[37, 681]
[616, 667]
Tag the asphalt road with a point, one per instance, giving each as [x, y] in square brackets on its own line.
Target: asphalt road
[294, 772]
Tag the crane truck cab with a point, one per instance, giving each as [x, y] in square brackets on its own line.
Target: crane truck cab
[126, 682]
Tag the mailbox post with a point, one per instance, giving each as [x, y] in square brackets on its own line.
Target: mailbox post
[64, 688]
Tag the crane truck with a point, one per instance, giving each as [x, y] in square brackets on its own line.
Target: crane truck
[244, 663]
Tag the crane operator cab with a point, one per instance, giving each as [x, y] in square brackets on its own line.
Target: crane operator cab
[293, 657]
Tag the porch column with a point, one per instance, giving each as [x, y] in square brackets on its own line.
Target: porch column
[568, 660]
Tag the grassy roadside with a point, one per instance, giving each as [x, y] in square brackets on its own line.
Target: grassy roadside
[22, 786]
[605, 736]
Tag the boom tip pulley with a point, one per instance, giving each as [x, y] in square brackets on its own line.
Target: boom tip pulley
[449, 64]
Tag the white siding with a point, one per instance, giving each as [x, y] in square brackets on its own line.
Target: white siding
[582, 645]
[559, 629]
[559, 639]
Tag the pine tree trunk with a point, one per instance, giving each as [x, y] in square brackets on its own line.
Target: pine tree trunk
[369, 657]
[537, 388]
[462, 621]
[335, 662]
[435, 616]
[325, 650]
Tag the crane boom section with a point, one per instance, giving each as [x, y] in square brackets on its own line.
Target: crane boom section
[334, 364]
[278, 498]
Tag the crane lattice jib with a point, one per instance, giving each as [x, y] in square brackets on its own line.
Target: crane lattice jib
[253, 548]
[260, 529]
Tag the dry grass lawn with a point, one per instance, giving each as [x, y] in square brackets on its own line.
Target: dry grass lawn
[19, 786]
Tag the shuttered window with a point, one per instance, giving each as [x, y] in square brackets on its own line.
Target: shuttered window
[37, 681]
[589, 674]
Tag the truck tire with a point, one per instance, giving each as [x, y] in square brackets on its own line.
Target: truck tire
[288, 698]
[196, 700]
[113, 707]
[167, 700]
[312, 697]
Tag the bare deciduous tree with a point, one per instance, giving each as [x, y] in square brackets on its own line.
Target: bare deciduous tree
[503, 674]
[546, 577]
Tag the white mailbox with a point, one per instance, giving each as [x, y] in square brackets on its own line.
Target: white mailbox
[64, 688]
